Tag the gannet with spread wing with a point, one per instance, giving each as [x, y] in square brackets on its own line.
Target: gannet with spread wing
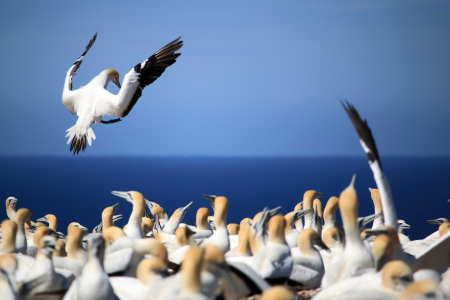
[93, 101]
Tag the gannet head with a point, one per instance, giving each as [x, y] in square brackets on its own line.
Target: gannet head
[396, 275]
[113, 76]
[47, 245]
[11, 201]
[233, 229]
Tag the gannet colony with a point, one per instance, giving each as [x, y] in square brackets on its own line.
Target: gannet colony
[305, 254]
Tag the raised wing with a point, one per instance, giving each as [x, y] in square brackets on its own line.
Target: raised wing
[364, 133]
[146, 73]
[78, 62]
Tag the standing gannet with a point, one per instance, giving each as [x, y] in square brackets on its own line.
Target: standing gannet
[93, 283]
[42, 276]
[317, 216]
[382, 251]
[134, 228]
[274, 261]
[175, 219]
[220, 237]
[368, 144]
[93, 101]
[402, 226]
[329, 214]
[308, 267]
[22, 216]
[76, 254]
[355, 258]
[308, 198]
[10, 204]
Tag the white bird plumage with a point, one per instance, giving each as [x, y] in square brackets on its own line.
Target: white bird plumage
[93, 101]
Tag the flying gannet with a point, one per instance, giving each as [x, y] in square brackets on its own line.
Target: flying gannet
[93, 101]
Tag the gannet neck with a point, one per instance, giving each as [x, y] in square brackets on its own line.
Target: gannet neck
[278, 293]
[331, 237]
[22, 215]
[147, 225]
[201, 219]
[107, 217]
[244, 243]
[46, 246]
[105, 77]
[289, 218]
[183, 236]
[148, 269]
[9, 231]
[8, 263]
[395, 276]
[75, 248]
[96, 253]
[157, 210]
[11, 207]
[276, 228]
[329, 213]
[375, 195]
[304, 242]
[213, 254]
[112, 234]
[191, 269]
[60, 249]
[153, 247]
[317, 205]
[52, 221]
[134, 222]
[382, 251]
[348, 206]
[233, 229]
[443, 229]
[220, 212]
[40, 233]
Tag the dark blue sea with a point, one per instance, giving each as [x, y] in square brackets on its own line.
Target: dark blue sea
[78, 188]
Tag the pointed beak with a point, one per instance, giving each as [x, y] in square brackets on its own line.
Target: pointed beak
[183, 209]
[273, 211]
[299, 214]
[43, 219]
[366, 220]
[210, 198]
[435, 222]
[83, 228]
[123, 195]
[116, 82]
[318, 194]
[375, 232]
[115, 207]
[405, 226]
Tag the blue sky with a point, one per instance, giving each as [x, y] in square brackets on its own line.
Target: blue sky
[254, 77]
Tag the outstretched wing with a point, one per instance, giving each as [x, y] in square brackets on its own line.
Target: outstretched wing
[364, 133]
[146, 73]
[78, 62]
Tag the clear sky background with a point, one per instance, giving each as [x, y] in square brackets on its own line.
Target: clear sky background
[254, 77]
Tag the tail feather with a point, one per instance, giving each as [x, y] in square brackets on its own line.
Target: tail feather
[78, 141]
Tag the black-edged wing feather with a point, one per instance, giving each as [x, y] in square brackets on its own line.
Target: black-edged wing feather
[153, 67]
[78, 62]
[364, 132]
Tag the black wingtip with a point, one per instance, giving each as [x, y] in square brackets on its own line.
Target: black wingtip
[363, 131]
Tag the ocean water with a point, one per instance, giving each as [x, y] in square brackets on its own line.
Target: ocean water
[78, 188]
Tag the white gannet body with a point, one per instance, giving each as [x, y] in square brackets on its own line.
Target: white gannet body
[384, 285]
[355, 258]
[274, 260]
[93, 283]
[220, 237]
[42, 276]
[134, 228]
[93, 101]
[308, 265]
